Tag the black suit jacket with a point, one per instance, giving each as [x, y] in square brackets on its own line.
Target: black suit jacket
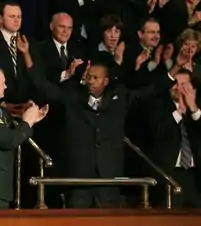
[52, 61]
[19, 88]
[142, 77]
[165, 139]
[10, 138]
[173, 18]
[94, 139]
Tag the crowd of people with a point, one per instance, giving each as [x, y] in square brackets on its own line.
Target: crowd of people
[112, 70]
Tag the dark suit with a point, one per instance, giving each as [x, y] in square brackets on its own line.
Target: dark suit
[175, 13]
[164, 147]
[19, 88]
[52, 61]
[10, 138]
[94, 139]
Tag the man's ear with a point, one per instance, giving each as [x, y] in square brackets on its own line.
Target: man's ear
[1, 20]
[51, 26]
[139, 33]
[107, 81]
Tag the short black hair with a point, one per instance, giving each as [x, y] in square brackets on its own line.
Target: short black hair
[145, 20]
[106, 60]
[109, 21]
[5, 3]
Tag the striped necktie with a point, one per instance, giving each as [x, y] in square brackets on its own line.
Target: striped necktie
[186, 154]
[13, 51]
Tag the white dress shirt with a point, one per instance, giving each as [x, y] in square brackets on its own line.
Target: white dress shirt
[58, 45]
[7, 35]
[178, 117]
[92, 100]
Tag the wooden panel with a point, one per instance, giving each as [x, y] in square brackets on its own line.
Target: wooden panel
[99, 218]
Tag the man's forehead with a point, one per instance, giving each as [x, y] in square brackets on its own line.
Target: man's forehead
[183, 76]
[12, 8]
[152, 24]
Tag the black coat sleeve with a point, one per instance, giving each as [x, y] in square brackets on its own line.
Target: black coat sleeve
[151, 91]
[10, 138]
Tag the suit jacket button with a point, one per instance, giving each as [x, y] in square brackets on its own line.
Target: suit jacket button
[97, 130]
[97, 145]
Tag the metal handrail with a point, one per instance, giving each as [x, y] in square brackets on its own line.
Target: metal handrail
[93, 181]
[144, 182]
[43, 158]
[168, 178]
[46, 158]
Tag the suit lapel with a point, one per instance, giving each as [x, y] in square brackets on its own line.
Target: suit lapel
[107, 97]
[4, 49]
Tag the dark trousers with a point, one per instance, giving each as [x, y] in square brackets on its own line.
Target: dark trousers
[96, 197]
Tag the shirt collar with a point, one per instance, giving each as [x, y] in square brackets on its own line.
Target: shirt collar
[102, 47]
[93, 99]
[145, 47]
[176, 104]
[7, 35]
[58, 44]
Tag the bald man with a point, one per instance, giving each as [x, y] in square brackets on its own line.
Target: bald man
[63, 60]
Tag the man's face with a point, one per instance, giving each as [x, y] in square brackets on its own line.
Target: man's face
[192, 1]
[175, 91]
[190, 45]
[97, 80]
[2, 84]
[150, 35]
[12, 18]
[111, 37]
[62, 28]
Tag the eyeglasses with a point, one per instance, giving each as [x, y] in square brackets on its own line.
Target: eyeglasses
[151, 32]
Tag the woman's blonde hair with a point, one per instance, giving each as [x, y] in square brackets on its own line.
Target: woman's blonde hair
[189, 34]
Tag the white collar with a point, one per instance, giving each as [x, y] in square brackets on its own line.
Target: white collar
[93, 99]
[7, 35]
[176, 104]
[102, 47]
[58, 44]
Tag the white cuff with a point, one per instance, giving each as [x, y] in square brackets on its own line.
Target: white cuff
[152, 65]
[63, 76]
[177, 116]
[169, 75]
[196, 115]
[169, 64]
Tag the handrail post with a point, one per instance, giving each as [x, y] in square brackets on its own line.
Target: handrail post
[146, 197]
[171, 182]
[169, 196]
[41, 189]
[18, 163]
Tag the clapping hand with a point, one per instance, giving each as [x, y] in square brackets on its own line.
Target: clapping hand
[158, 54]
[119, 52]
[182, 106]
[189, 94]
[33, 114]
[183, 57]
[144, 55]
[162, 3]
[86, 72]
[74, 65]
[168, 52]
[22, 43]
